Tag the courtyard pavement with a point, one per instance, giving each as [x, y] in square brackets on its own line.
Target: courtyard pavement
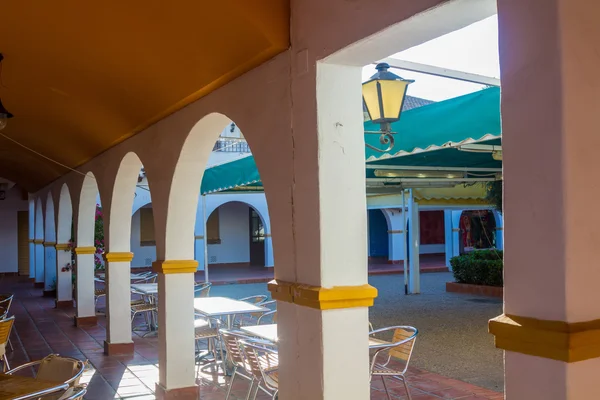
[452, 349]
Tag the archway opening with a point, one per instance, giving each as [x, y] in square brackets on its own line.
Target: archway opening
[378, 237]
[235, 233]
[477, 230]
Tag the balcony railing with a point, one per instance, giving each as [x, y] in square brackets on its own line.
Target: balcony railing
[232, 145]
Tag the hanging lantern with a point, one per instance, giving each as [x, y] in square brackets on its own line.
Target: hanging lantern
[383, 97]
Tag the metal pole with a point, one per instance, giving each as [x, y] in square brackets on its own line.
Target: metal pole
[405, 230]
[205, 238]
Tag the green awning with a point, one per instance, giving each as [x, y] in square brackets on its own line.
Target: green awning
[233, 175]
[426, 136]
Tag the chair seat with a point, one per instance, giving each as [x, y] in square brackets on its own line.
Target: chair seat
[205, 333]
[143, 307]
[379, 369]
[100, 292]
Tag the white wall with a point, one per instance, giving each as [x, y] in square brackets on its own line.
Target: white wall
[8, 229]
[234, 230]
[143, 256]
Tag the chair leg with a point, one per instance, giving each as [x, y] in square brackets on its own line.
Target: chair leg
[250, 389]
[406, 387]
[231, 383]
[385, 387]
[6, 366]
[256, 390]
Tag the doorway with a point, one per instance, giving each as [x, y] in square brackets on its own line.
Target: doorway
[257, 239]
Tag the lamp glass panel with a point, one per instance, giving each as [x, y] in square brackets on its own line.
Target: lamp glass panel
[371, 99]
[392, 94]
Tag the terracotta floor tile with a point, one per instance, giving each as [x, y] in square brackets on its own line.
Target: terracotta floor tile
[40, 330]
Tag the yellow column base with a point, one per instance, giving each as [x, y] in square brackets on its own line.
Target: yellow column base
[175, 266]
[323, 298]
[556, 340]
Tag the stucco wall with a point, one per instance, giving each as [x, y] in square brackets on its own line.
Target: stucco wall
[8, 229]
[142, 255]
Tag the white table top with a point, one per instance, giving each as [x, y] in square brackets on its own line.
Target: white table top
[268, 331]
[218, 306]
[146, 288]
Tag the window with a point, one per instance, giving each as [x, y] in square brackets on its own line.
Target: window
[213, 235]
[147, 227]
[257, 230]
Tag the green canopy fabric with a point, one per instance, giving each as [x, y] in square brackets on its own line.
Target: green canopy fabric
[231, 176]
[425, 136]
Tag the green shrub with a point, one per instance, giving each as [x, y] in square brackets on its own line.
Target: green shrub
[480, 267]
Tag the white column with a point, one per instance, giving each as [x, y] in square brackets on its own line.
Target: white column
[176, 324]
[64, 283]
[32, 259]
[324, 352]
[85, 284]
[456, 232]
[549, 58]
[269, 260]
[396, 238]
[118, 299]
[50, 266]
[39, 263]
[414, 273]
[448, 237]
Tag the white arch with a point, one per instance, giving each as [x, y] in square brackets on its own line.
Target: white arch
[65, 216]
[87, 211]
[121, 204]
[185, 187]
[50, 221]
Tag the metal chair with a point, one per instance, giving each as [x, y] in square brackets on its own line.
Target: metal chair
[5, 303]
[202, 289]
[271, 304]
[400, 347]
[148, 307]
[55, 368]
[205, 329]
[248, 319]
[262, 361]
[236, 357]
[267, 318]
[6, 326]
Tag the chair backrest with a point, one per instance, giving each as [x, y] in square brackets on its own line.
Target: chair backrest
[257, 299]
[55, 368]
[404, 340]
[271, 304]
[202, 289]
[234, 350]
[5, 328]
[5, 302]
[260, 359]
[268, 318]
